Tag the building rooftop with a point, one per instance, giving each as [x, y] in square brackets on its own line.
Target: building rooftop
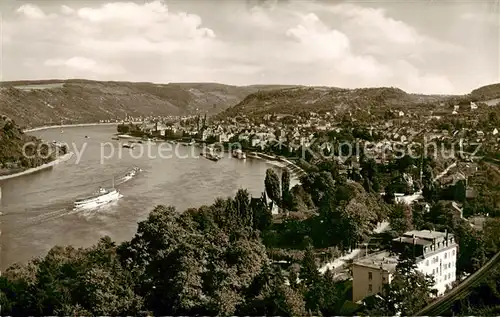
[426, 234]
[417, 241]
[380, 260]
[425, 242]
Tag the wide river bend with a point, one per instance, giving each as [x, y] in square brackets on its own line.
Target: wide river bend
[37, 208]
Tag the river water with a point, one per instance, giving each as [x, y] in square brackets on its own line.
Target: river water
[37, 208]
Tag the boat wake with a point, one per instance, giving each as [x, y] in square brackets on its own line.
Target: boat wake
[49, 214]
[88, 211]
[68, 211]
[46, 217]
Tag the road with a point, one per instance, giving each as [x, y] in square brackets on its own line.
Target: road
[443, 173]
[383, 226]
[444, 304]
[76, 125]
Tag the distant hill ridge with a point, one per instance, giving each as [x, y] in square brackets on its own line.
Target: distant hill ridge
[45, 102]
[319, 99]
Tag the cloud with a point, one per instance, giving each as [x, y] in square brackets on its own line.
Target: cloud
[31, 11]
[374, 26]
[287, 42]
[324, 43]
[316, 43]
[85, 64]
[431, 83]
[375, 20]
[67, 10]
[117, 30]
[491, 17]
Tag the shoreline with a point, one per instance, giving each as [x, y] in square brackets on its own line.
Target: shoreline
[58, 160]
[295, 171]
[281, 162]
[47, 127]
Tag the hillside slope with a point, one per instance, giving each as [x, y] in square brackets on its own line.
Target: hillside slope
[15, 156]
[487, 92]
[36, 103]
[293, 100]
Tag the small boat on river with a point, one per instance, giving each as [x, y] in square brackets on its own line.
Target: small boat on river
[131, 174]
[211, 156]
[239, 154]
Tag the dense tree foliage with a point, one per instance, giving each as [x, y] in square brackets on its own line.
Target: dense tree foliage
[221, 259]
[286, 196]
[19, 151]
[408, 292]
[272, 186]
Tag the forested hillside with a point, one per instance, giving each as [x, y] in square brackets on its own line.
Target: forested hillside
[19, 151]
[38, 103]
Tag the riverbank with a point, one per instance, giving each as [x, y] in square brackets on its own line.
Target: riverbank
[282, 162]
[278, 161]
[59, 160]
[59, 126]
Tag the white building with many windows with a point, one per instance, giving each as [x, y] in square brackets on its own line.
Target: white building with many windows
[435, 253]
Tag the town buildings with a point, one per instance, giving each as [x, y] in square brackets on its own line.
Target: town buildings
[435, 253]
[370, 273]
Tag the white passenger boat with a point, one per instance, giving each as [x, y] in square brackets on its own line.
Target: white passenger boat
[239, 154]
[101, 197]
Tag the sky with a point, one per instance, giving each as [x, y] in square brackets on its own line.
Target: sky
[434, 47]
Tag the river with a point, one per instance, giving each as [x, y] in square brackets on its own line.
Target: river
[37, 208]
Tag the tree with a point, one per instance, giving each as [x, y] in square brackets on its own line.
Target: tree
[242, 201]
[317, 185]
[471, 244]
[408, 292]
[285, 189]
[329, 166]
[368, 168]
[493, 117]
[346, 219]
[270, 296]
[400, 218]
[491, 234]
[404, 163]
[180, 269]
[67, 280]
[483, 299]
[323, 296]
[460, 191]
[389, 195]
[261, 215]
[123, 128]
[272, 185]
[309, 273]
[430, 192]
